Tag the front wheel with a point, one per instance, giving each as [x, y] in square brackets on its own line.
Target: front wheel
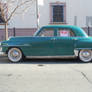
[15, 55]
[85, 55]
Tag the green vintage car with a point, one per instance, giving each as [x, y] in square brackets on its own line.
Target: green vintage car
[53, 41]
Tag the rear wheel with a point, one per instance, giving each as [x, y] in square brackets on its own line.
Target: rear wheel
[85, 55]
[15, 55]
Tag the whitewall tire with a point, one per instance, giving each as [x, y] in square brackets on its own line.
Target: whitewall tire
[85, 55]
[15, 55]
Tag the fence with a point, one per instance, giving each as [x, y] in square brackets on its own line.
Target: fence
[17, 32]
[29, 32]
[88, 30]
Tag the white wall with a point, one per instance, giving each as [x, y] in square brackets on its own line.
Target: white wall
[79, 8]
[25, 20]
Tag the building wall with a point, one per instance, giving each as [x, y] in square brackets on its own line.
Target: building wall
[26, 19]
[79, 8]
[76, 13]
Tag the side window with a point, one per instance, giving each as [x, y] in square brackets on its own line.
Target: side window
[47, 33]
[65, 33]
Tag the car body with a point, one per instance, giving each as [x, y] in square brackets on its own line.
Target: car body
[52, 41]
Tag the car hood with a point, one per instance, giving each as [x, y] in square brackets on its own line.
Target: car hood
[20, 38]
[88, 39]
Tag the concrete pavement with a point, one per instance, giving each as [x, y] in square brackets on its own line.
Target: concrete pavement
[45, 76]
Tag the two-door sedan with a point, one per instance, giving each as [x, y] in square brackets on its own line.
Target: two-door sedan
[53, 41]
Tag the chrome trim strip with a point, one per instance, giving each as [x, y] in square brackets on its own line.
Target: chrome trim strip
[41, 57]
[15, 45]
[82, 48]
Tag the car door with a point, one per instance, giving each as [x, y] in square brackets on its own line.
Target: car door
[42, 45]
[64, 42]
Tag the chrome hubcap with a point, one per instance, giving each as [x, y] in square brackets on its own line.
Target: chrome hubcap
[14, 55]
[86, 54]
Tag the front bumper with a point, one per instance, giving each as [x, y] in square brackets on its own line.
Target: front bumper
[1, 52]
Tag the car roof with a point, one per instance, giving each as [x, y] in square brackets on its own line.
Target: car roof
[79, 31]
[60, 26]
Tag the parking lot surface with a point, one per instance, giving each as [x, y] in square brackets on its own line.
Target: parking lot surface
[45, 76]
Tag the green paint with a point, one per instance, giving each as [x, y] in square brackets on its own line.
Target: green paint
[50, 46]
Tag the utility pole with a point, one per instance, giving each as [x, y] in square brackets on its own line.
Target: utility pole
[37, 15]
[88, 30]
[14, 31]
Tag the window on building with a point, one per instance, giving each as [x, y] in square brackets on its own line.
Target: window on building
[58, 13]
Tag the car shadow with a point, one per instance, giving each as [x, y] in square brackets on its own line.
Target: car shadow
[53, 61]
[40, 62]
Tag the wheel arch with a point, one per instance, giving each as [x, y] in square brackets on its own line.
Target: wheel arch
[14, 47]
[77, 50]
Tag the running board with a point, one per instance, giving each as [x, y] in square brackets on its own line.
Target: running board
[48, 57]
